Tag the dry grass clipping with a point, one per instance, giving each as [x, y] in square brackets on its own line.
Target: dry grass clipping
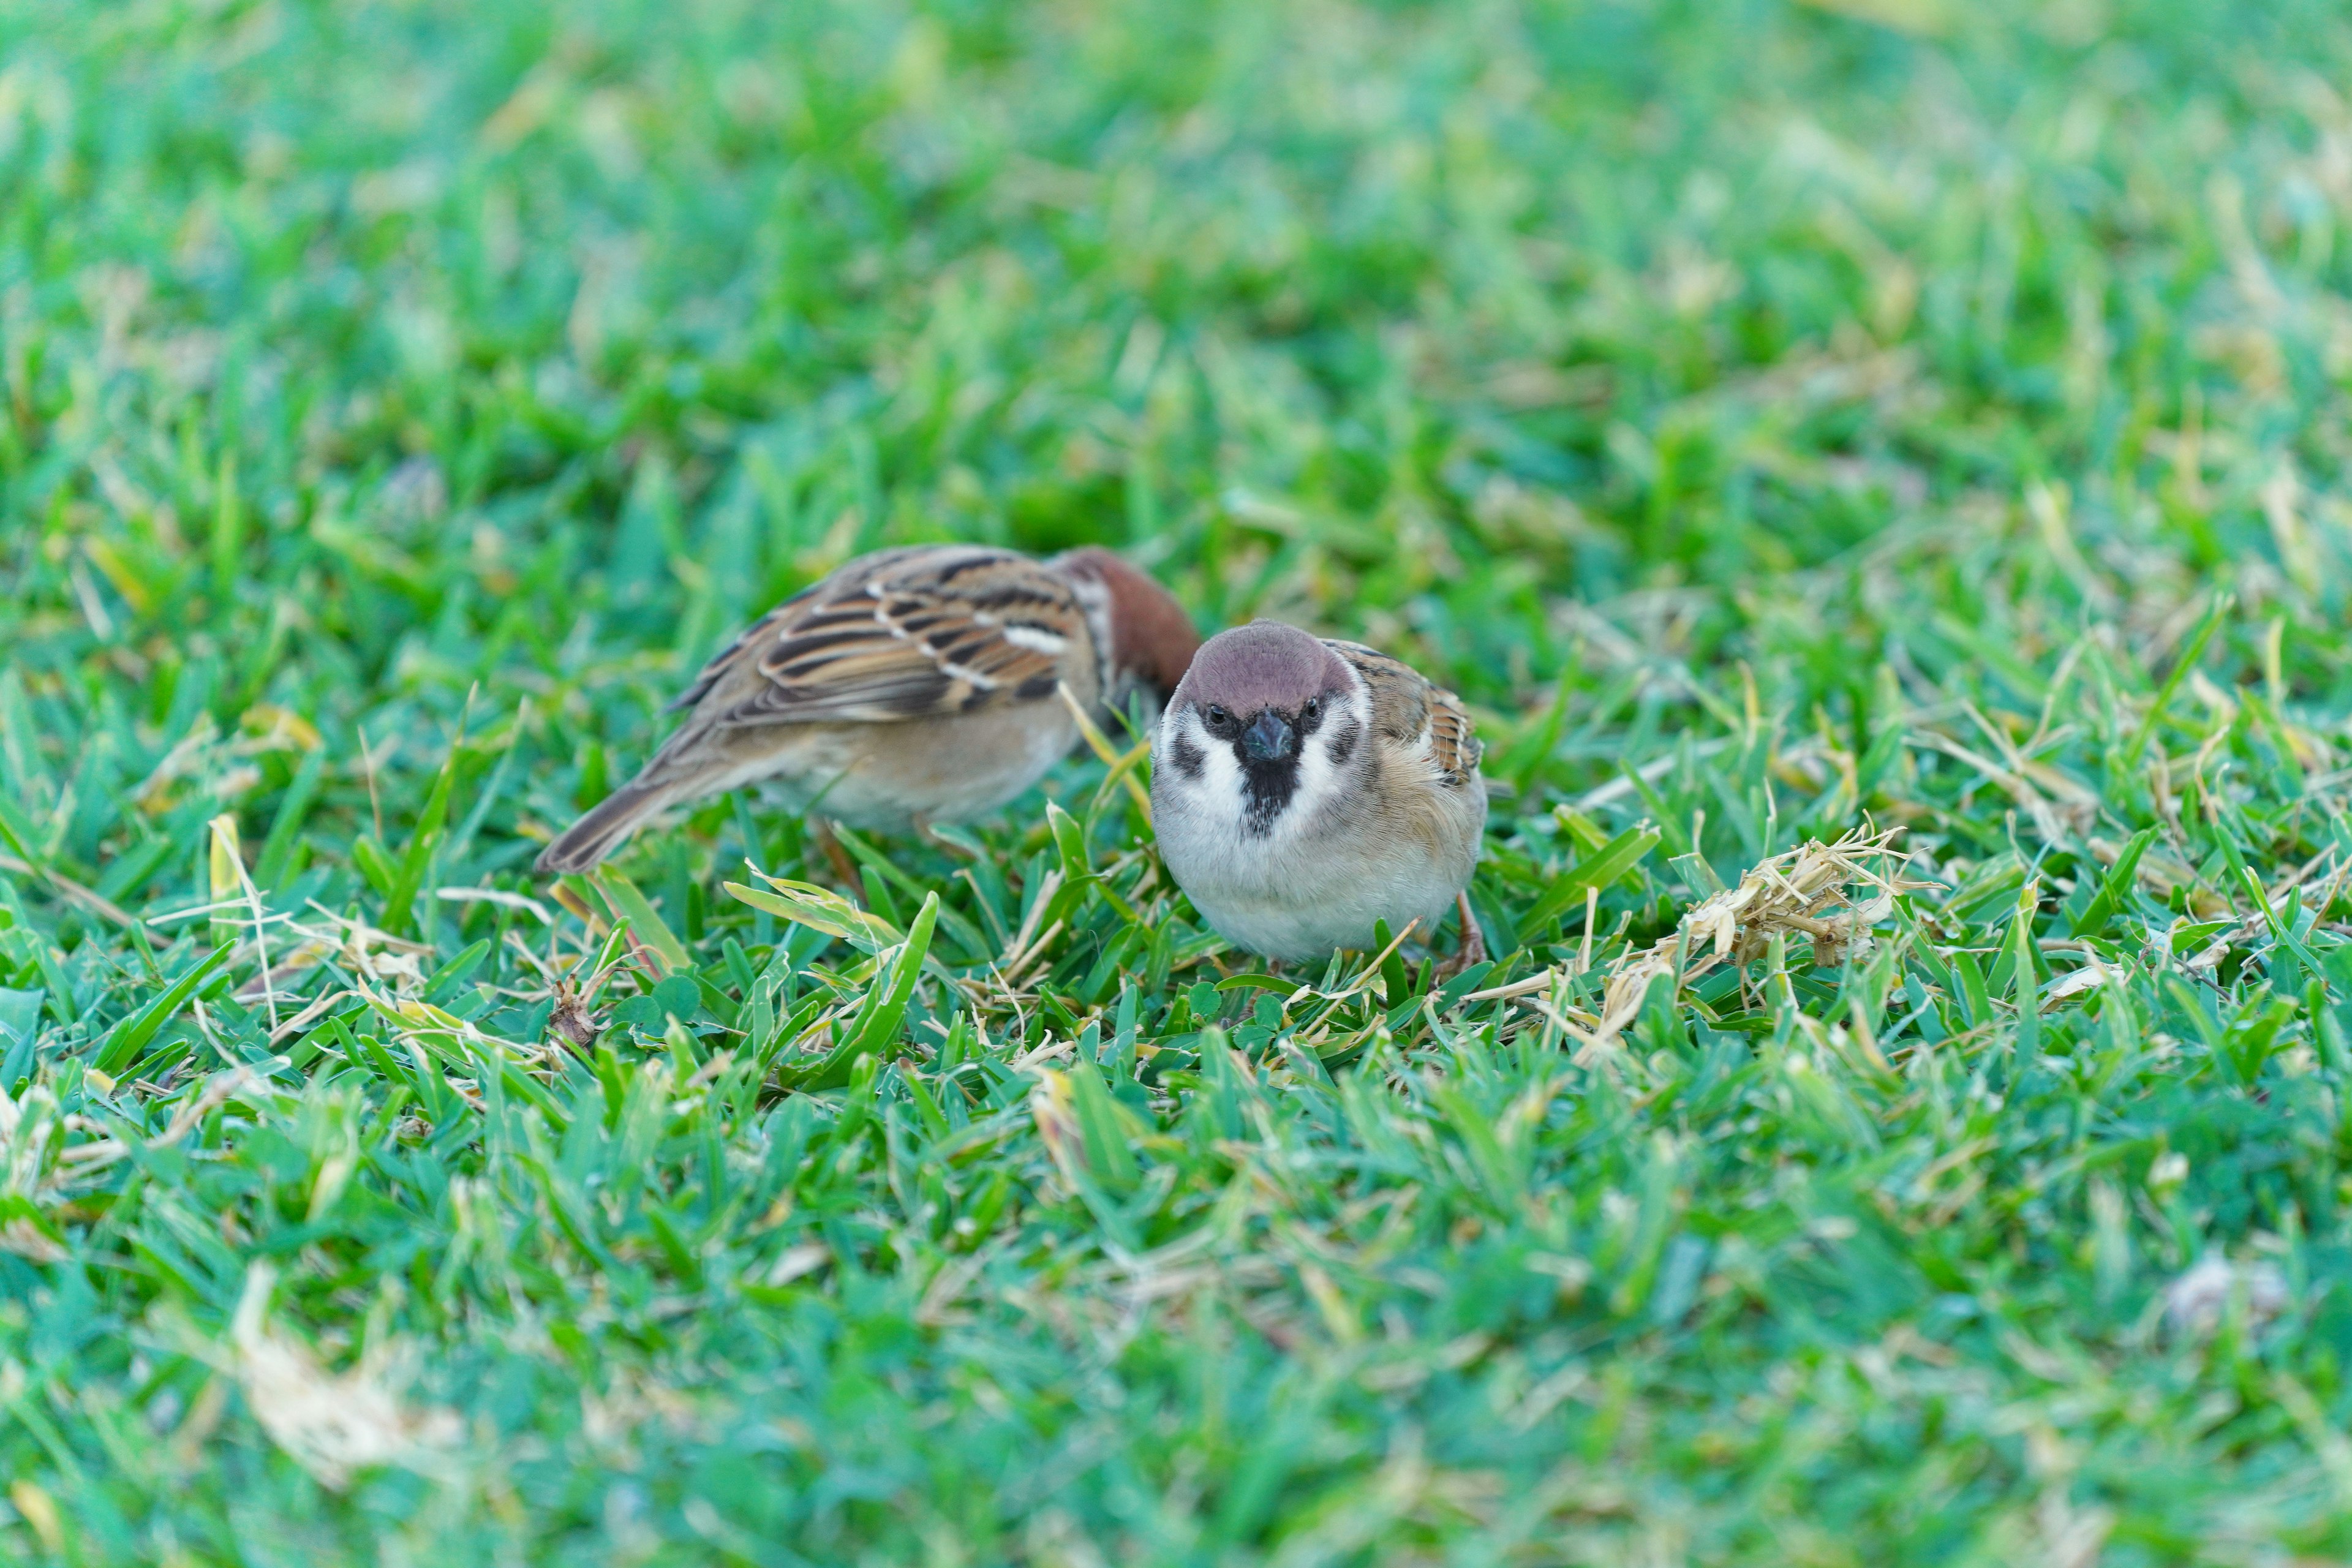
[331, 1423]
[1806, 891]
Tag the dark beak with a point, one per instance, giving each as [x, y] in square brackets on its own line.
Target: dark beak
[1268, 737]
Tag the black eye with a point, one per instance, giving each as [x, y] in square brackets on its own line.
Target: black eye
[1313, 712]
[1219, 719]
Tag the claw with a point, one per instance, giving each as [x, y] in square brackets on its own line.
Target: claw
[1473, 951]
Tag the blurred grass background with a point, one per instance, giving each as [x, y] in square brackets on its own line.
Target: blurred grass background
[1687, 385]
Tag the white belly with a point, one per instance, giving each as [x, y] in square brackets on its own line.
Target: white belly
[1311, 896]
[1327, 921]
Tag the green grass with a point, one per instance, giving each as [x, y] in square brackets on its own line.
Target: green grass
[1773, 420]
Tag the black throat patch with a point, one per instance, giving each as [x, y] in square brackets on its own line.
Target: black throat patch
[1266, 789]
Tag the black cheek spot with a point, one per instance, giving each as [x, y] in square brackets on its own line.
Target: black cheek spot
[1035, 689]
[1343, 743]
[1186, 758]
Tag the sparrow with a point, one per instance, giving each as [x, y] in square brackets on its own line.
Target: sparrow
[1304, 789]
[912, 686]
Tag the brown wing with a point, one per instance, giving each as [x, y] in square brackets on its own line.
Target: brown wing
[1410, 711]
[1454, 745]
[903, 634]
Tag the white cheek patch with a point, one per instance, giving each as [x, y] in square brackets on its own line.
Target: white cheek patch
[1320, 776]
[1316, 777]
[1219, 787]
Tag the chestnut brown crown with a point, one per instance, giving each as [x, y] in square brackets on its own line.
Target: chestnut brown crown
[1152, 639]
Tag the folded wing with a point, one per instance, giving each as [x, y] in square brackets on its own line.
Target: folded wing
[909, 633]
[1408, 710]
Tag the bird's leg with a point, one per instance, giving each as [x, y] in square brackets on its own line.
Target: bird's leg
[1473, 950]
[835, 855]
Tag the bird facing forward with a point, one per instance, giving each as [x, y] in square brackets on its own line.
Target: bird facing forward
[912, 686]
[1305, 789]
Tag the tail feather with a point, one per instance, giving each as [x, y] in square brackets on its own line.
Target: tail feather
[600, 829]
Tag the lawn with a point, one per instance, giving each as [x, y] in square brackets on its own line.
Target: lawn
[1878, 471]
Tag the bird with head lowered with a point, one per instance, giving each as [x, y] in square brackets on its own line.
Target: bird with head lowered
[1305, 789]
[912, 686]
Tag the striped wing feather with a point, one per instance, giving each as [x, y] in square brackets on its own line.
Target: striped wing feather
[905, 634]
[1453, 741]
[1406, 708]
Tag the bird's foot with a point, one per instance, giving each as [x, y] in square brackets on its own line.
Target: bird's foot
[1473, 951]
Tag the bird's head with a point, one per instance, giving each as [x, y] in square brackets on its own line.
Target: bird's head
[1268, 717]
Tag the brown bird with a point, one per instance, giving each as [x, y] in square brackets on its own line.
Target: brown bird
[912, 686]
[1304, 790]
